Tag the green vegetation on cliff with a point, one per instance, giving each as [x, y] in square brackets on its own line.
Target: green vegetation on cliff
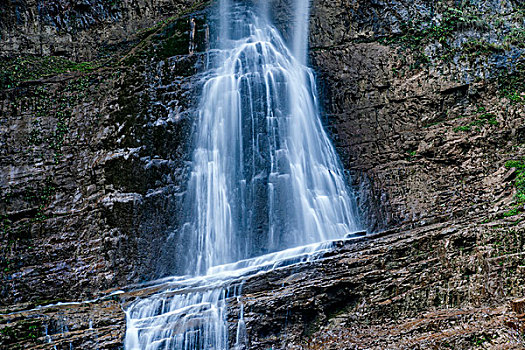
[519, 165]
[15, 71]
[511, 83]
[435, 38]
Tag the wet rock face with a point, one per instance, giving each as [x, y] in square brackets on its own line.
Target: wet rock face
[446, 285]
[99, 325]
[407, 289]
[81, 29]
[94, 165]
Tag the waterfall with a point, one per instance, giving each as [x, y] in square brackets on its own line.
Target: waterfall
[265, 175]
[266, 187]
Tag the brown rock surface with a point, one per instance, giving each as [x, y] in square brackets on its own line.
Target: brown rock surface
[445, 285]
[405, 97]
[439, 286]
[99, 325]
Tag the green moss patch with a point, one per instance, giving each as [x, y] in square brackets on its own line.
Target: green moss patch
[511, 83]
[519, 182]
[167, 38]
[16, 71]
[443, 27]
[483, 118]
[22, 331]
[417, 32]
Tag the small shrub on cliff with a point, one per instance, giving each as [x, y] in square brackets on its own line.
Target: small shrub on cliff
[518, 164]
[512, 212]
[483, 118]
[462, 128]
[516, 38]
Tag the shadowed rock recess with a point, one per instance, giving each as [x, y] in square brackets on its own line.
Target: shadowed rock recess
[424, 101]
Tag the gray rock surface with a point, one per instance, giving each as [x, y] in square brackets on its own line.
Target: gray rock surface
[81, 29]
[94, 166]
[402, 82]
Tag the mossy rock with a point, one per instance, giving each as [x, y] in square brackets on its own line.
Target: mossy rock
[23, 331]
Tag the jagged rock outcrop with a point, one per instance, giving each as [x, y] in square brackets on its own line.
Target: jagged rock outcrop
[424, 101]
[88, 325]
[419, 98]
[442, 286]
[445, 285]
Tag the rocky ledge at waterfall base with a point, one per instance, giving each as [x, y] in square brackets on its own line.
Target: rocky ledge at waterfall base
[438, 286]
[425, 104]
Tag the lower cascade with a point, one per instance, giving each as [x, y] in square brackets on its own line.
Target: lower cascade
[266, 188]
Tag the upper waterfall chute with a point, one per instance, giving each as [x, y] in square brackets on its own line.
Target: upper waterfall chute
[265, 175]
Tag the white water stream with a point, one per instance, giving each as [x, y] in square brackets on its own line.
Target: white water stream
[266, 188]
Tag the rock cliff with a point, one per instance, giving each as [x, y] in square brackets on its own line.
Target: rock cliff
[424, 101]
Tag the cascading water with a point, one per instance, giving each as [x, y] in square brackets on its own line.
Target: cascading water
[266, 188]
[265, 175]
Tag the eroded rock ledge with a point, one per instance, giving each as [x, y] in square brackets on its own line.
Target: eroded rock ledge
[443, 285]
